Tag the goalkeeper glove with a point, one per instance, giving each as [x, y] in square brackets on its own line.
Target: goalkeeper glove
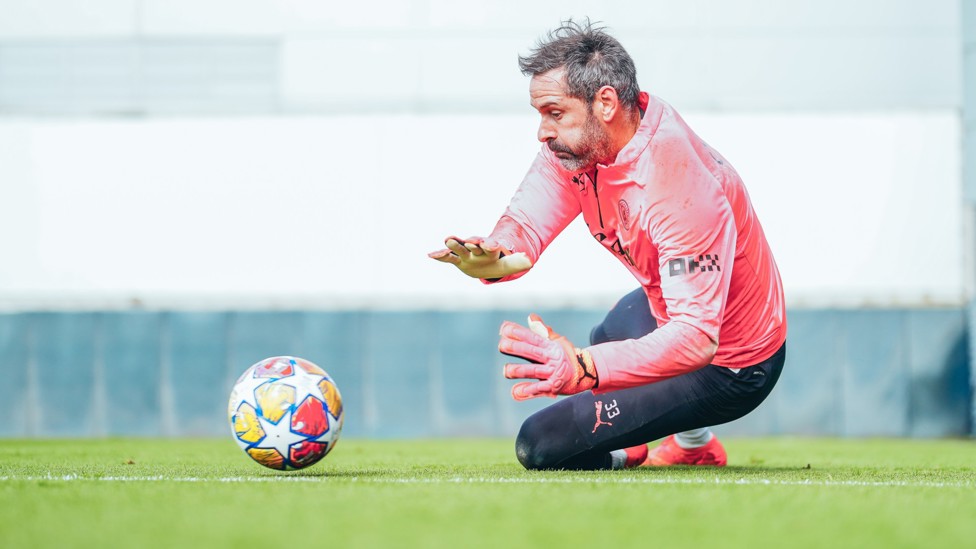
[561, 368]
[481, 258]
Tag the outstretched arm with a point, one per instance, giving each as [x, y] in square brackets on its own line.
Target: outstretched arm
[544, 204]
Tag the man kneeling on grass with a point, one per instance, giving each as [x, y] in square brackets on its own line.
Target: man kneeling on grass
[702, 341]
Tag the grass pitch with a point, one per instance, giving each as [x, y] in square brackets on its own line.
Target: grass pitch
[472, 493]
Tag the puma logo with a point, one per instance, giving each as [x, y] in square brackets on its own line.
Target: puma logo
[599, 422]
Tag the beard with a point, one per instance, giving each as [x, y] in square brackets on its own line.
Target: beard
[594, 146]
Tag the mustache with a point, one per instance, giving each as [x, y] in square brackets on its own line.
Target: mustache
[559, 147]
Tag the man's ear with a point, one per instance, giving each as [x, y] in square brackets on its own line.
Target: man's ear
[606, 104]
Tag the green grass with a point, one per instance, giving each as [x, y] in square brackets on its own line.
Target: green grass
[472, 493]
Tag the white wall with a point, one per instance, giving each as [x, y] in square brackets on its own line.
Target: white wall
[857, 207]
[397, 123]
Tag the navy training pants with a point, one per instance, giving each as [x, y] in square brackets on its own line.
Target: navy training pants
[580, 431]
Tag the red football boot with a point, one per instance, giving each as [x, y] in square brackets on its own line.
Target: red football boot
[635, 456]
[669, 453]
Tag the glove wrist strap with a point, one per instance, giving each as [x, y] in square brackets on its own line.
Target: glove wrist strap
[585, 370]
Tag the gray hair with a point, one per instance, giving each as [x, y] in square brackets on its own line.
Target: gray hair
[592, 59]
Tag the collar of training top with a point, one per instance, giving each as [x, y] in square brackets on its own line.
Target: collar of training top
[645, 131]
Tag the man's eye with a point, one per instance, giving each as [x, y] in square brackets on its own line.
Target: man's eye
[556, 114]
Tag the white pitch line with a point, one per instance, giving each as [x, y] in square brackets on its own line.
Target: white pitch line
[502, 480]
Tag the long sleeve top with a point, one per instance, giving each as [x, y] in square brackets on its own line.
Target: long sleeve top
[678, 216]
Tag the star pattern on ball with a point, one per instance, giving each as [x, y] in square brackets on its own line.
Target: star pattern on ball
[329, 437]
[244, 392]
[280, 436]
[305, 384]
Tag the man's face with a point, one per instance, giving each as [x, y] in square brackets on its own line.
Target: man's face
[568, 127]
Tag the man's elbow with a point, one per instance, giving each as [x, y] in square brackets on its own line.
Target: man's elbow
[701, 344]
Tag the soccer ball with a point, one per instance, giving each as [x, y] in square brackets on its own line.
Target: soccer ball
[285, 412]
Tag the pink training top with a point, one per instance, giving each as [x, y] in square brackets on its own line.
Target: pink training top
[677, 215]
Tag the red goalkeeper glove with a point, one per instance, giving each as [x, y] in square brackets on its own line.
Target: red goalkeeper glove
[481, 258]
[561, 368]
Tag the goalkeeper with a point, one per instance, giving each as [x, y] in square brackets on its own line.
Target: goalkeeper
[702, 341]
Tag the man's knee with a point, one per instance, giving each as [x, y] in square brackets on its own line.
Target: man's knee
[534, 445]
[599, 335]
[630, 318]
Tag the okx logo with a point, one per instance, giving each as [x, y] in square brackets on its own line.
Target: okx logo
[689, 265]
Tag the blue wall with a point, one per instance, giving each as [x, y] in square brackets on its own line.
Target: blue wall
[890, 372]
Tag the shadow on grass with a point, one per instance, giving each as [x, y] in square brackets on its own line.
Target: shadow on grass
[336, 473]
[728, 470]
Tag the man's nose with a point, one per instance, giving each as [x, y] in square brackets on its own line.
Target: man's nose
[546, 133]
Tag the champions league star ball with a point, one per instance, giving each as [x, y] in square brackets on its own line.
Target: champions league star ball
[285, 412]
